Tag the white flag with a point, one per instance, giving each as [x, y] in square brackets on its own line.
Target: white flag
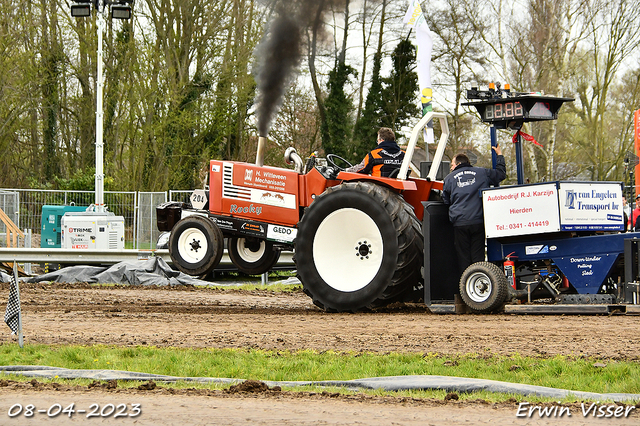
[415, 19]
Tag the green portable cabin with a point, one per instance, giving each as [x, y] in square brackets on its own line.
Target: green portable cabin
[50, 224]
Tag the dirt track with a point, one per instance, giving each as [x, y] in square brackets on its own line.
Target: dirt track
[197, 318]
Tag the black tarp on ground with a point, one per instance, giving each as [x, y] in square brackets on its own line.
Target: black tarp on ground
[391, 383]
[154, 271]
[4, 277]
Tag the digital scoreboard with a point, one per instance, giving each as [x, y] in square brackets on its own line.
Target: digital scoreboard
[505, 109]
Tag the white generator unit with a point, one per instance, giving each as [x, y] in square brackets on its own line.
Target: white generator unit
[92, 231]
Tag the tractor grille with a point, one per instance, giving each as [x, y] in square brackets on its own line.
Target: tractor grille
[229, 190]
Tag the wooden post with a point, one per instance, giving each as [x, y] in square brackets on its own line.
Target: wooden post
[12, 230]
[12, 233]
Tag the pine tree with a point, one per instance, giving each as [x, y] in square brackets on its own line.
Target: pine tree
[336, 129]
[364, 137]
[400, 89]
[391, 101]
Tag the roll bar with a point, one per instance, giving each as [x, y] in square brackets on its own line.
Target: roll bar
[442, 143]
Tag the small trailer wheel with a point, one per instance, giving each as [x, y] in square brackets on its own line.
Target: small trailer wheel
[252, 256]
[483, 287]
[196, 245]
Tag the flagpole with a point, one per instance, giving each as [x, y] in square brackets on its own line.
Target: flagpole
[424, 112]
[415, 18]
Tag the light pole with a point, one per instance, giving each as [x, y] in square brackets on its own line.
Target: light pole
[119, 10]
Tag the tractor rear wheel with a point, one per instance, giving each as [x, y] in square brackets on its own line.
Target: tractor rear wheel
[196, 245]
[359, 246]
[252, 256]
[483, 287]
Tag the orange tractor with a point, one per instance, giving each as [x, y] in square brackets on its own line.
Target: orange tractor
[358, 239]
[363, 242]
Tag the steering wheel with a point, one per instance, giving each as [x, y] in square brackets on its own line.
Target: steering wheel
[331, 157]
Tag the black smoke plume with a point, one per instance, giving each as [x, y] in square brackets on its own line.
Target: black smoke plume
[280, 55]
[280, 51]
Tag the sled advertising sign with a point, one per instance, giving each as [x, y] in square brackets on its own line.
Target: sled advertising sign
[591, 206]
[553, 207]
[521, 210]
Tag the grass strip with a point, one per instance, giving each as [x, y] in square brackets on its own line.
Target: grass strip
[273, 287]
[580, 374]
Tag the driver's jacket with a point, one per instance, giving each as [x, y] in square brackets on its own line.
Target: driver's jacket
[382, 161]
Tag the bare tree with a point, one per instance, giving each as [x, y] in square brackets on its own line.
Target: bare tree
[296, 125]
[615, 37]
[543, 57]
[457, 55]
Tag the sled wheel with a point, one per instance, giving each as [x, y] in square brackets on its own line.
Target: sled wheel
[358, 246]
[196, 245]
[252, 256]
[483, 287]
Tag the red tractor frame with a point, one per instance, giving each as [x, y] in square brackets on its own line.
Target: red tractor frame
[358, 239]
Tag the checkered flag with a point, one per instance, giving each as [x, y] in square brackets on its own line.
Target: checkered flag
[12, 314]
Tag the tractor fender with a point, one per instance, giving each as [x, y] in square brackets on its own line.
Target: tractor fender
[391, 183]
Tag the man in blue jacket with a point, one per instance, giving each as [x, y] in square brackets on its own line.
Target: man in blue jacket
[463, 193]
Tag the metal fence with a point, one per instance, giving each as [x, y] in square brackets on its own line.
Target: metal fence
[146, 229]
[24, 207]
[9, 204]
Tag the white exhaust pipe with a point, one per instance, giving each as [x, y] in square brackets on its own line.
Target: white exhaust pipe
[291, 156]
[262, 143]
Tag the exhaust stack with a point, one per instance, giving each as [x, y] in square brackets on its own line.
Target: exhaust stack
[262, 142]
[292, 157]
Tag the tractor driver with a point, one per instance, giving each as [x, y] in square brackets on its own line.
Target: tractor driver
[384, 159]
